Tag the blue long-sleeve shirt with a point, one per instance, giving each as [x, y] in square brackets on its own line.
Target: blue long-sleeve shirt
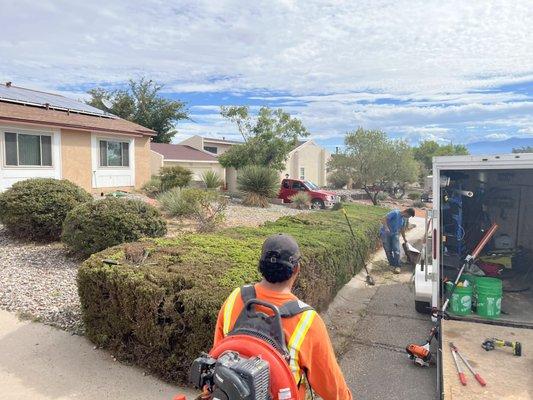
[395, 222]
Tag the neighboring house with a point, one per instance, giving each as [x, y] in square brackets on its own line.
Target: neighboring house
[198, 161]
[306, 161]
[52, 136]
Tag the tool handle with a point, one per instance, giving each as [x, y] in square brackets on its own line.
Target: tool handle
[462, 378]
[480, 380]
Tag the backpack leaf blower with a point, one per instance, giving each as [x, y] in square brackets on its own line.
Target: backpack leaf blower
[252, 361]
[421, 354]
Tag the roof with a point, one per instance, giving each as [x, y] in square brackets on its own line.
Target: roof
[32, 112]
[223, 140]
[19, 95]
[181, 152]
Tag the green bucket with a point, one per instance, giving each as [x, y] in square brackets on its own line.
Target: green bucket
[461, 300]
[489, 294]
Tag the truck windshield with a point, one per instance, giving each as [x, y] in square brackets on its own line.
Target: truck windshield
[310, 185]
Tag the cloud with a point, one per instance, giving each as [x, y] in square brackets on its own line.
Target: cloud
[416, 69]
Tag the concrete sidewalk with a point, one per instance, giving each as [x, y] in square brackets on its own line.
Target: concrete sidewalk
[39, 362]
[370, 327]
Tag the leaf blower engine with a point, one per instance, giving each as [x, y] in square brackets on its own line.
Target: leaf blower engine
[252, 361]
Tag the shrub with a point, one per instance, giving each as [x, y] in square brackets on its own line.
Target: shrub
[175, 176]
[36, 208]
[180, 202]
[161, 313]
[419, 204]
[100, 224]
[382, 196]
[152, 188]
[209, 212]
[413, 196]
[211, 180]
[259, 185]
[301, 200]
[338, 179]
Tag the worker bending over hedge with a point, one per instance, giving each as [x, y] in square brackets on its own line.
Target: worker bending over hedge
[312, 357]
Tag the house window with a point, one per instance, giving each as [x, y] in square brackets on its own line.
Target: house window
[28, 150]
[211, 149]
[302, 173]
[114, 154]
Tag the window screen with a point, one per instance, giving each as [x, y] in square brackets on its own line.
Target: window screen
[28, 150]
[114, 154]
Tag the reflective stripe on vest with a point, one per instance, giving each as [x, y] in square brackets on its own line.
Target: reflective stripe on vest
[296, 340]
[228, 310]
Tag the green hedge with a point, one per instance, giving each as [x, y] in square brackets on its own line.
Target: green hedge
[161, 313]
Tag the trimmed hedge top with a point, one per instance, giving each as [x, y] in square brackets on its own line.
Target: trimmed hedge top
[36, 208]
[160, 312]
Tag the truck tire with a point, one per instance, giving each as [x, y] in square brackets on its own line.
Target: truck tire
[317, 204]
[423, 307]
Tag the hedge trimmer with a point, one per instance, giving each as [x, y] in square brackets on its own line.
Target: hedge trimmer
[369, 280]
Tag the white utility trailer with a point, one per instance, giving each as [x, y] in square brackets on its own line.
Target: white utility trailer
[470, 193]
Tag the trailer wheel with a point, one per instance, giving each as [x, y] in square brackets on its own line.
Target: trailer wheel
[423, 307]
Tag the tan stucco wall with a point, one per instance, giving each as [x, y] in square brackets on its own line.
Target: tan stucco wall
[142, 161]
[312, 158]
[198, 168]
[196, 142]
[156, 162]
[76, 161]
[76, 165]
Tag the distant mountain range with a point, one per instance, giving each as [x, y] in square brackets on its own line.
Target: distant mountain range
[499, 146]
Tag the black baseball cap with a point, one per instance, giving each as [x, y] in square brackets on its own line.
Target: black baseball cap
[280, 249]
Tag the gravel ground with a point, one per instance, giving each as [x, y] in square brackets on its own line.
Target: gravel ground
[239, 215]
[38, 281]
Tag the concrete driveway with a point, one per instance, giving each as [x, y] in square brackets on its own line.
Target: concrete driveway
[39, 362]
[370, 327]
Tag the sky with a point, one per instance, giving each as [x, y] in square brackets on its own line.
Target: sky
[452, 71]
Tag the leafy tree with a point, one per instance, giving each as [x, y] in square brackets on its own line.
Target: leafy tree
[428, 149]
[268, 138]
[524, 149]
[376, 162]
[141, 103]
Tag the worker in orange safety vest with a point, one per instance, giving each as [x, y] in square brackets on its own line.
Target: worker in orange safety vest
[311, 354]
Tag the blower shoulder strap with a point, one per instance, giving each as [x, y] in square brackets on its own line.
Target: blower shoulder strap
[247, 293]
[292, 308]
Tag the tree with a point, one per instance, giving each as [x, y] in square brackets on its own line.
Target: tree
[141, 103]
[428, 149]
[376, 162]
[524, 149]
[268, 138]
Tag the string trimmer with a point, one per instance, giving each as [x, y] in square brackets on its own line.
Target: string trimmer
[421, 354]
[369, 280]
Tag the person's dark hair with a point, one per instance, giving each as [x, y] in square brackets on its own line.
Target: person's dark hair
[410, 211]
[276, 272]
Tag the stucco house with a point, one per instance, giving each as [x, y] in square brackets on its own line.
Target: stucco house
[306, 161]
[198, 161]
[52, 136]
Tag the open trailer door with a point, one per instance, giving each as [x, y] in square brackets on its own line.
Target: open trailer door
[470, 194]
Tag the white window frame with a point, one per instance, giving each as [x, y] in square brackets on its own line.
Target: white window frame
[301, 175]
[102, 176]
[17, 131]
[129, 142]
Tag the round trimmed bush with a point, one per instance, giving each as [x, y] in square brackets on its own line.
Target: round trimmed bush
[36, 208]
[95, 226]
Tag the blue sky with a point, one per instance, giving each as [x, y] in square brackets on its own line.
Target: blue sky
[450, 71]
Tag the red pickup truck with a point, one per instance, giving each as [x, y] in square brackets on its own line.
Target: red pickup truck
[319, 198]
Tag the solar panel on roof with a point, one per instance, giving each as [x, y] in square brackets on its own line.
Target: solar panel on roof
[14, 94]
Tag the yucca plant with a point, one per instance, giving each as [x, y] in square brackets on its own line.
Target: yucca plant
[211, 180]
[301, 200]
[259, 184]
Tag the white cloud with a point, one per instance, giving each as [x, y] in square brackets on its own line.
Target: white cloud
[327, 57]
